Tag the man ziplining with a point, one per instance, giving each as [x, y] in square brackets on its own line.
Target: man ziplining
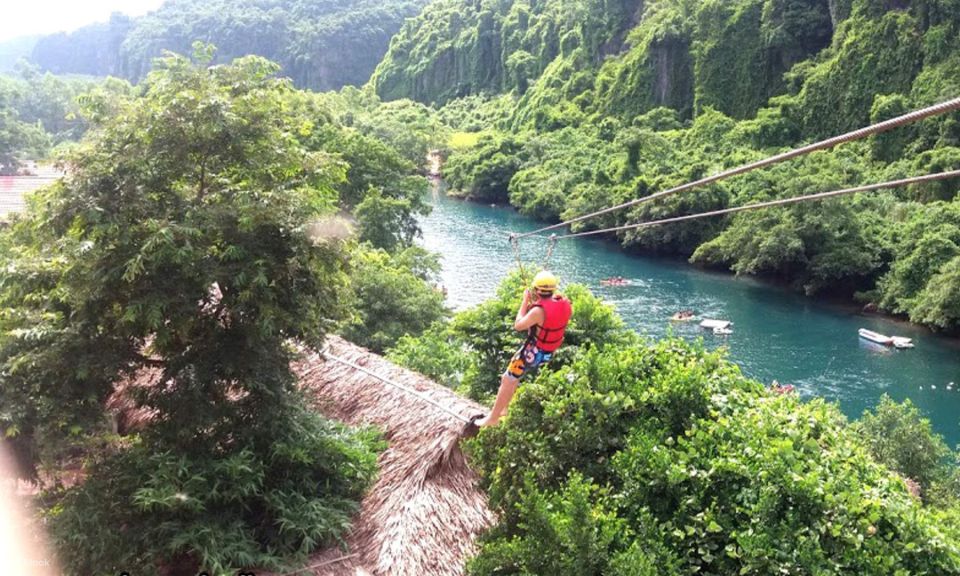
[544, 314]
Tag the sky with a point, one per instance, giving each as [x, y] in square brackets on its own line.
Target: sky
[27, 17]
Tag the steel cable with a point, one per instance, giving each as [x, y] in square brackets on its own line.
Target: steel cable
[917, 115]
[780, 202]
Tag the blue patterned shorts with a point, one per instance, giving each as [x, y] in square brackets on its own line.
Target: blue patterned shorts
[527, 358]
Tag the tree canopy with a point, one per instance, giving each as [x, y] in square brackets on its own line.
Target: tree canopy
[176, 256]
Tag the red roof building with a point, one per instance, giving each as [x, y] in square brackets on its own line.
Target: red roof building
[13, 189]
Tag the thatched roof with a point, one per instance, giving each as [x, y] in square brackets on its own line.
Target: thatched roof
[423, 515]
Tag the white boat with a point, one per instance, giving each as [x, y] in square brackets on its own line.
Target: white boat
[713, 324]
[722, 331]
[902, 343]
[895, 341]
[875, 337]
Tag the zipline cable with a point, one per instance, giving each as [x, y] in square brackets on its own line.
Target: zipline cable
[397, 385]
[780, 202]
[917, 115]
[550, 248]
[515, 244]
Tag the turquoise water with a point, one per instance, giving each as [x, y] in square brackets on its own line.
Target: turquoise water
[777, 335]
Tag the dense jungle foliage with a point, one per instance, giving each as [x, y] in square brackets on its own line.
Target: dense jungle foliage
[39, 112]
[320, 45]
[567, 107]
[624, 457]
[212, 214]
[182, 268]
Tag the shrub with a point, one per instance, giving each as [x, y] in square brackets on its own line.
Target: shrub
[699, 470]
[394, 297]
[899, 437]
[282, 489]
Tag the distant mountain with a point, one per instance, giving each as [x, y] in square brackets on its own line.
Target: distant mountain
[13, 50]
[321, 44]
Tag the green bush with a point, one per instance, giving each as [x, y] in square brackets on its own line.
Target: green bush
[899, 437]
[665, 460]
[280, 490]
[436, 353]
[922, 279]
[394, 297]
[484, 171]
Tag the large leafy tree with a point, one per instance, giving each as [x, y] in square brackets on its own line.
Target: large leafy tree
[176, 255]
[18, 139]
[900, 437]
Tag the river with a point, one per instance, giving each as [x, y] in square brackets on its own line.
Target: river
[777, 334]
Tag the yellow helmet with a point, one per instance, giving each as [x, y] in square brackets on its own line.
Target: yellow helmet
[545, 282]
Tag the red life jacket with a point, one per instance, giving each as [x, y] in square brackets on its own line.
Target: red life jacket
[556, 315]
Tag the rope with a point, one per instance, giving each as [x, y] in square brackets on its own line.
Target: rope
[550, 247]
[915, 116]
[781, 202]
[515, 243]
[406, 389]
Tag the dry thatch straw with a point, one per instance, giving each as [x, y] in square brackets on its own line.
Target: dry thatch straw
[423, 515]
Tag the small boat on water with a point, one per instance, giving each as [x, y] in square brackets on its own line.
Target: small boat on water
[615, 281]
[895, 341]
[722, 331]
[902, 343]
[683, 316]
[712, 324]
[875, 337]
[781, 388]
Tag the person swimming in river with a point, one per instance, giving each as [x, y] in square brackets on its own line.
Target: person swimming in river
[544, 313]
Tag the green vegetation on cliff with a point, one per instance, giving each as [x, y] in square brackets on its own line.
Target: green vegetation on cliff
[320, 45]
[619, 57]
[620, 102]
